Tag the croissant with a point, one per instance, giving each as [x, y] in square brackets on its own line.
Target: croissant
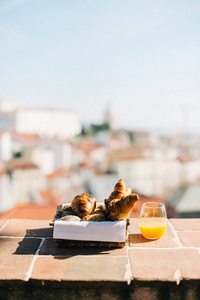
[83, 204]
[119, 209]
[128, 191]
[120, 190]
[95, 217]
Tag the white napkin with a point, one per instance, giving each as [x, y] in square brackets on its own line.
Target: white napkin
[106, 231]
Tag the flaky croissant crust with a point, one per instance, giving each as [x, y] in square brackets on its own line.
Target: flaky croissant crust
[120, 202]
[83, 204]
[120, 190]
[119, 209]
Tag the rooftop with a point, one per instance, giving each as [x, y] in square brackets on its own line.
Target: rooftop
[21, 164]
[32, 266]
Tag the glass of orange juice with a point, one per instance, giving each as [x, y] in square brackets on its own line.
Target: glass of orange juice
[153, 220]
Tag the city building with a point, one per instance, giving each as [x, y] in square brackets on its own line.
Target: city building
[5, 146]
[186, 202]
[6, 196]
[43, 122]
[110, 117]
[26, 179]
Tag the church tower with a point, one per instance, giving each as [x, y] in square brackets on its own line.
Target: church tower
[110, 117]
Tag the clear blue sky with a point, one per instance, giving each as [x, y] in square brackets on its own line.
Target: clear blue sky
[143, 57]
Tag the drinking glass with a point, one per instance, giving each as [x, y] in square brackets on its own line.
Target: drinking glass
[153, 220]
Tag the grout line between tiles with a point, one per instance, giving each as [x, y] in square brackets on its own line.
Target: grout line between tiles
[163, 248]
[128, 274]
[181, 230]
[29, 272]
[176, 237]
[4, 225]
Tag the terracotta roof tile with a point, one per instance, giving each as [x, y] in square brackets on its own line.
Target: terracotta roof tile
[185, 159]
[21, 164]
[48, 197]
[87, 165]
[29, 137]
[86, 146]
[59, 173]
[2, 172]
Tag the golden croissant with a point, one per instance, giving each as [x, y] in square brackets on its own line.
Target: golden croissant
[95, 217]
[119, 209]
[120, 190]
[83, 205]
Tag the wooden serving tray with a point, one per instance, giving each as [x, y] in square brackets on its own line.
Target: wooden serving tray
[87, 244]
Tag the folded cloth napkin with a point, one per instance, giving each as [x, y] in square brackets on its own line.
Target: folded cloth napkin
[106, 231]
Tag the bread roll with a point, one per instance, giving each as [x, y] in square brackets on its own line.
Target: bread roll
[67, 211]
[70, 218]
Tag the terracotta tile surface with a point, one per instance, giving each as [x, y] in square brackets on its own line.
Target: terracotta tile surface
[16, 246]
[186, 224]
[190, 239]
[81, 268]
[15, 267]
[49, 268]
[137, 240]
[2, 223]
[97, 268]
[16, 256]
[167, 259]
[165, 265]
[49, 248]
[28, 228]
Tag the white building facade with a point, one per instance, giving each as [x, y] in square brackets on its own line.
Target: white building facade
[151, 177]
[6, 196]
[63, 124]
[5, 146]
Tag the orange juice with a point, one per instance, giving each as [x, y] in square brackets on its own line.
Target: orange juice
[152, 229]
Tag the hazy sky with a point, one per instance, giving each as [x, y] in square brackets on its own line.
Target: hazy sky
[143, 57]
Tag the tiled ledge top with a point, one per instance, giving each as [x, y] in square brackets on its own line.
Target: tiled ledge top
[28, 254]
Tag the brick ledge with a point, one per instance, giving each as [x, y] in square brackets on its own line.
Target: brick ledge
[29, 260]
